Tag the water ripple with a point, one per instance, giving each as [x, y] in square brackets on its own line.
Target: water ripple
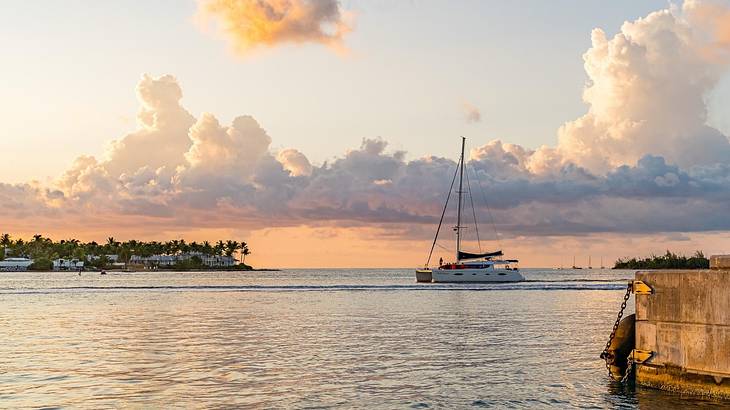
[302, 339]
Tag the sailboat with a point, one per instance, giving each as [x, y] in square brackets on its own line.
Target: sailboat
[575, 267]
[469, 267]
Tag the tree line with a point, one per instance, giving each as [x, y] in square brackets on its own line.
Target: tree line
[669, 260]
[40, 247]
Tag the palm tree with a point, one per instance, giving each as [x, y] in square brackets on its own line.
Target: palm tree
[133, 246]
[174, 246]
[166, 247]
[92, 248]
[244, 252]
[231, 247]
[207, 248]
[5, 241]
[156, 248]
[19, 247]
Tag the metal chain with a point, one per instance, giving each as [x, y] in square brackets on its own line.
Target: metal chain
[606, 355]
[629, 369]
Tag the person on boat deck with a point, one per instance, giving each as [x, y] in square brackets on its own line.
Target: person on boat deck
[441, 261]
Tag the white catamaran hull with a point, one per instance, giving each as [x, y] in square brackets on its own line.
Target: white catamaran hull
[475, 276]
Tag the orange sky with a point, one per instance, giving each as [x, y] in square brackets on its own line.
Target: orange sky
[332, 247]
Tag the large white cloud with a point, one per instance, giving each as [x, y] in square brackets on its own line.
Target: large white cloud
[647, 89]
[161, 138]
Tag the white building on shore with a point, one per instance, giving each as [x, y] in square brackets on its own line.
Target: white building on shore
[68, 264]
[166, 261]
[217, 261]
[15, 264]
[109, 258]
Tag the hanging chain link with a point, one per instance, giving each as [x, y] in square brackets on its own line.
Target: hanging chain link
[629, 369]
[606, 354]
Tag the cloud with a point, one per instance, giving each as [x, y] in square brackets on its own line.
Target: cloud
[647, 88]
[471, 113]
[161, 139]
[218, 151]
[252, 24]
[641, 160]
[714, 16]
[295, 162]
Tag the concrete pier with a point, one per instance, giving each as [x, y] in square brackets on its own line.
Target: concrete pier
[720, 262]
[685, 322]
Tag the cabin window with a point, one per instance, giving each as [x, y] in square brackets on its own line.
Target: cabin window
[458, 274]
[502, 274]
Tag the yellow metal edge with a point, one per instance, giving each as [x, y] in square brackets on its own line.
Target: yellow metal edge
[640, 288]
[641, 356]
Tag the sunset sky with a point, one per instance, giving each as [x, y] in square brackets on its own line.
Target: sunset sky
[325, 133]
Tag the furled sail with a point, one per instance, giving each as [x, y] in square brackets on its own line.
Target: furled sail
[467, 255]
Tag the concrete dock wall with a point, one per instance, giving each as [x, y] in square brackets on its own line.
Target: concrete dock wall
[686, 323]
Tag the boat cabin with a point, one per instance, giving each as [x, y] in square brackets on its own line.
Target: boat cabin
[510, 264]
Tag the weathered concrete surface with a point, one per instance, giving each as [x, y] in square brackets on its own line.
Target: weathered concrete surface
[720, 262]
[686, 323]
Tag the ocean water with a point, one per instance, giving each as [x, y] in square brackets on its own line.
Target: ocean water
[312, 338]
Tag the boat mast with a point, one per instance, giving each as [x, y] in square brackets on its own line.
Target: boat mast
[446, 205]
[458, 214]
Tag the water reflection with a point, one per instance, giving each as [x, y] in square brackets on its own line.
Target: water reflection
[192, 340]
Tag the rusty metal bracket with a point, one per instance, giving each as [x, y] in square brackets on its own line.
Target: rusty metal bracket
[640, 288]
[640, 356]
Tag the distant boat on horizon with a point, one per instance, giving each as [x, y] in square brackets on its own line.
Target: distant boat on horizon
[575, 267]
[469, 267]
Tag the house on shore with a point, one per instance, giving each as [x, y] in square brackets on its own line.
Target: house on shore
[67, 264]
[109, 258]
[168, 261]
[216, 261]
[15, 264]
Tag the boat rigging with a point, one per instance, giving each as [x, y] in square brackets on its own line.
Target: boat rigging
[468, 266]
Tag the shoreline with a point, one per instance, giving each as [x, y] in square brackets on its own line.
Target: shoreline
[149, 270]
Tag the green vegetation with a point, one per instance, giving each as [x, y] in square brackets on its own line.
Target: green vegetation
[42, 264]
[43, 250]
[195, 263]
[667, 261]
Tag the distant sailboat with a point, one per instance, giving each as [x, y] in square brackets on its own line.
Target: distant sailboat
[589, 262]
[469, 267]
[575, 267]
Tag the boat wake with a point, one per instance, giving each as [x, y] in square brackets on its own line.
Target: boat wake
[574, 280]
[566, 285]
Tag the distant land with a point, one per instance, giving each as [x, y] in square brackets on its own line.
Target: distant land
[667, 261]
[44, 254]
